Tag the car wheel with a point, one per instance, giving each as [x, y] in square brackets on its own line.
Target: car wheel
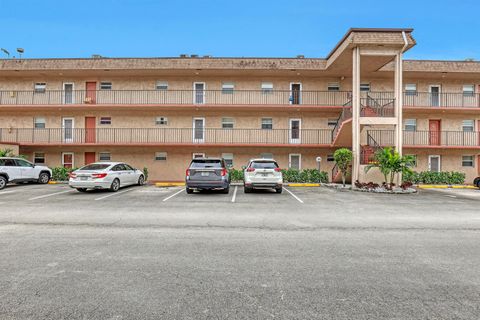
[3, 182]
[43, 178]
[226, 190]
[278, 190]
[115, 185]
[478, 184]
[189, 191]
[82, 189]
[247, 189]
[141, 180]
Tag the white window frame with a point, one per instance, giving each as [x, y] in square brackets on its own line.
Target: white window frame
[161, 156]
[104, 153]
[411, 89]
[228, 157]
[35, 156]
[262, 123]
[299, 160]
[264, 154]
[73, 158]
[73, 92]
[406, 125]
[104, 119]
[64, 129]
[228, 87]
[40, 87]
[299, 93]
[472, 126]
[106, 85]
[330, 158]
[333, 86]
[267, 87]
[161, 85]
[203, 93]
[230, 121]
[299, 139]
[365, 87]
[194, 128]
[199, 154]
[35, 122]
[161, 121]
[430, 162]
[332, 122]
[439, 93]
[473, 161]
[470, 92]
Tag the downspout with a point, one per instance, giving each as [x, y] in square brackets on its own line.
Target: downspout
[405, 41]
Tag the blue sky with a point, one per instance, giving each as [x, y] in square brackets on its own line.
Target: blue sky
[444, 29]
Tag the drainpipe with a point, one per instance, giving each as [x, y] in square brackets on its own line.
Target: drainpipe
[400, 101]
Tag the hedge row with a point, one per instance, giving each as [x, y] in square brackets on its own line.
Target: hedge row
[290, 175]
[61, 173]
[428, 177]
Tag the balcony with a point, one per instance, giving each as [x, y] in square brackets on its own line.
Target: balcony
[441, 100]
[168, 136]
[428, 139]
[176, 97]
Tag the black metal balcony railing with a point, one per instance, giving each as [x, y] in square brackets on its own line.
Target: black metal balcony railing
[445, 100]
[167, 136]
[428, 138]
[175, 97]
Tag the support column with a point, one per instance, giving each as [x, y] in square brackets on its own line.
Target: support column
[356, 114]
[399, 107]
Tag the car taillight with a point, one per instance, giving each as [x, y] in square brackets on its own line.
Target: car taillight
[278, 170]
[224, 172]
[187, 172]
[72, 175]
[99, 175]
[250, 169]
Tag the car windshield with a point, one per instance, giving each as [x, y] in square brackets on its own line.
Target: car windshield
[206, 164]
[95, 166]
[264, 165]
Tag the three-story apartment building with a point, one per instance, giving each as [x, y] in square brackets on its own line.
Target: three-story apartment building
[160, 112]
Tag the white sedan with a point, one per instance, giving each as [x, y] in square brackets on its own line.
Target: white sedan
[105, 175]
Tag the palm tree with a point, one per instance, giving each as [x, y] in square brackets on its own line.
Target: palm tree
[390, 163]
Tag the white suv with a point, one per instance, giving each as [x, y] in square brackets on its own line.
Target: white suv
[21, 170]
[261, 174]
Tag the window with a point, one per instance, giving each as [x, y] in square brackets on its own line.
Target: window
[39, 123]
[161, 121]
[198, 155]
[468, 125]
[410, 124]
[365, 87]
[105, 85]
[414, 158]
[105, 120]
[104, 156]
[411, 89]
[227, 123]
[267, 87]
[468, 90]
[467, 161]
[330, 158]
[40, 87]
[67, 160]
[228, 87]
[295, 161]
[333, 86]
[228, 158]
[267, 123]
[161, 85]
[266, 155]
[23, 163]
[332, 122]
[160, 156]
[39, 158]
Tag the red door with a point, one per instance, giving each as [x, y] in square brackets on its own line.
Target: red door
[90, 130]
[434, 128]
[91, 92]
[89, 157]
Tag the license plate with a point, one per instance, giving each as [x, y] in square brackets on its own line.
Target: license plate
[264, 174]
[83, 178]
[205, 174]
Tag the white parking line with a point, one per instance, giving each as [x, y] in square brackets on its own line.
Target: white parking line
[173, 195]
[298, 199]
[234, 194]
[113, 194]
[50, 195]
[5, 192]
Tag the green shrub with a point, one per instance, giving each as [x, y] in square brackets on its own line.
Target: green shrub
[443, 177]
[235, 175]
[61, 173]
[145, 173]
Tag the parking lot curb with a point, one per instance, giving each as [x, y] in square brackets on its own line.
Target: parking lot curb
[169, 184]
[444, 186]
[302, 184]
[57, 182]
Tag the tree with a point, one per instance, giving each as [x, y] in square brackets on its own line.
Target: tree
[343, 157]
[6, 153]
[390, 163]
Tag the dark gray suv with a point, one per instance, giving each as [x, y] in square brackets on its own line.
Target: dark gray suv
[207, 174]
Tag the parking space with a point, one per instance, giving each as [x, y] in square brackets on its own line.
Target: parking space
[456, 193]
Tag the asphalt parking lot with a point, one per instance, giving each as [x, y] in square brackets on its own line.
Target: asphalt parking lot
[311, 253]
